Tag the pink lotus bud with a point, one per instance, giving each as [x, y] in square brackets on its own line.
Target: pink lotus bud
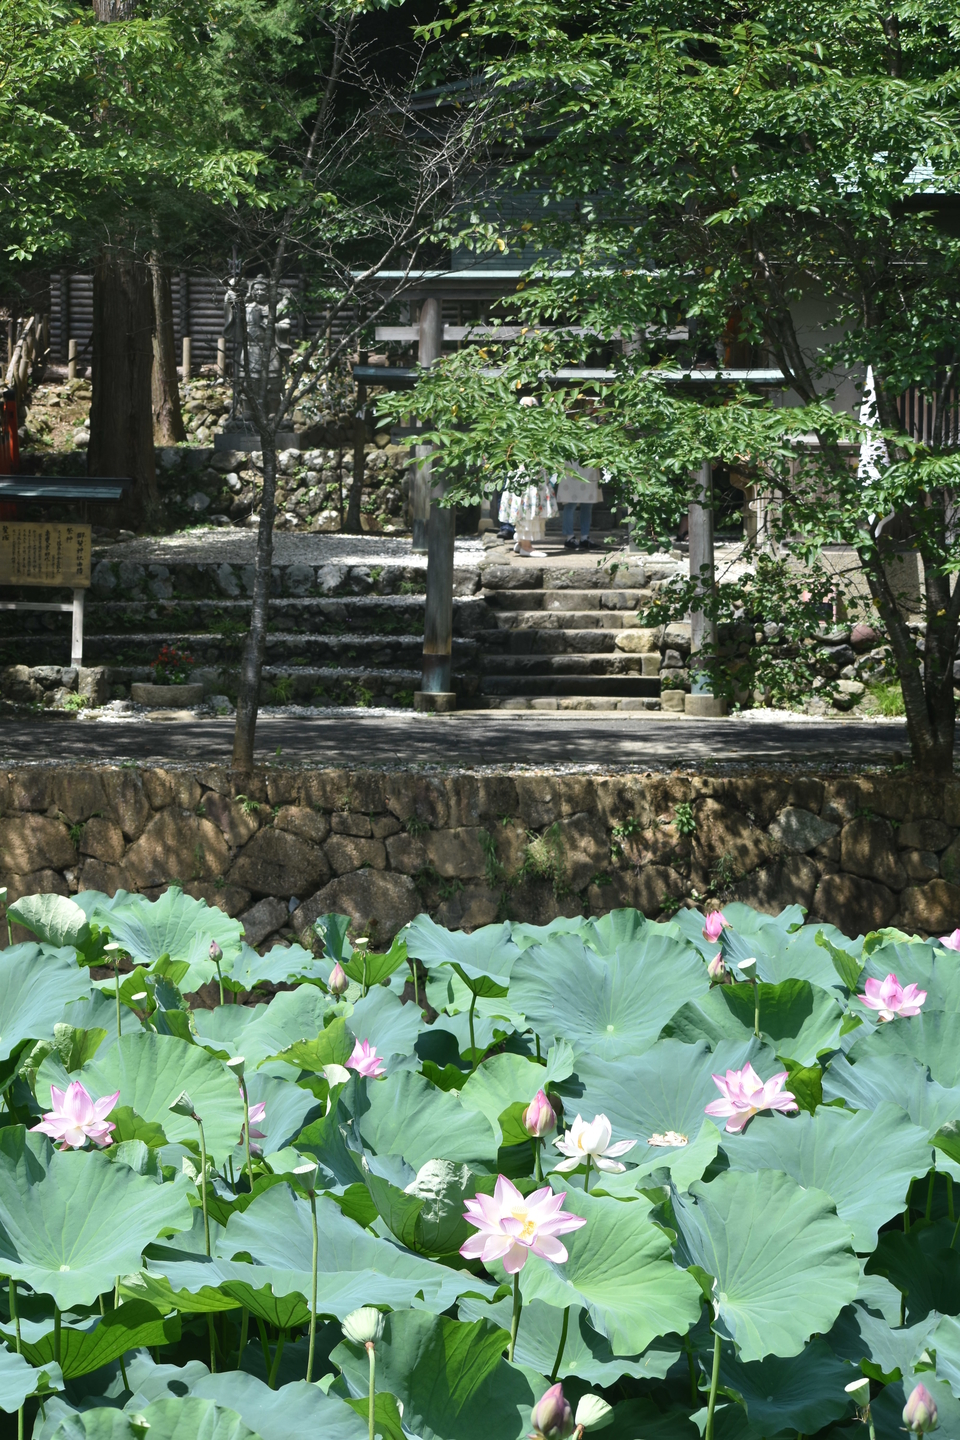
[539, 1118]
[216, 954]
[717, 971]
[551, 1417]
[338, 981]
[713, 926]
[920, 1411]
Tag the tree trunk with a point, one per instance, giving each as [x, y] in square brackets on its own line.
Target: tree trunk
[352, 525]
[248, 700]
[121, 423]
[167, 419]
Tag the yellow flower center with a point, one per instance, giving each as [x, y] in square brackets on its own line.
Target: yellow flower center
[529, 1228]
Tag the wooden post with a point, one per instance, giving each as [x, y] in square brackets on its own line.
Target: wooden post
[76, 633]
[428, 350]
[186, 358]
[221, 356]
[71, 359]
[436, 690]
[703, 630]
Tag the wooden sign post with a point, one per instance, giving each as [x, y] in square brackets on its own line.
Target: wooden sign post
[49, 555]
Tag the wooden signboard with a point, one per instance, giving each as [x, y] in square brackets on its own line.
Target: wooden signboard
[35, 554]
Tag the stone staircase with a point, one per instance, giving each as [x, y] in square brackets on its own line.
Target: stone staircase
[526, 636]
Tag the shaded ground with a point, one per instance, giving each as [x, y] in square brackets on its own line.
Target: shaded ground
[466, 740]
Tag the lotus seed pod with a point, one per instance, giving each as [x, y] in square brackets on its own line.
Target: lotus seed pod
[363, 1326]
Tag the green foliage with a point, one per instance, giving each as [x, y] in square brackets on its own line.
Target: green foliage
[805, 1232]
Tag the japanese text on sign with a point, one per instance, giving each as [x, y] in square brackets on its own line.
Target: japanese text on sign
[44, 554]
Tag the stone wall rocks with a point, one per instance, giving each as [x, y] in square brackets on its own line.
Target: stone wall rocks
[475, 847]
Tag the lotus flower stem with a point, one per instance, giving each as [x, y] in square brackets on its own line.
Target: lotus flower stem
[691, 1366]
[116, 976]
[203, 1186]
[561, 1347]
[15, 1317]
[714, 1385]
[264, 1344]
[56, 1333]
[473, 1039]
[244, 1330]
[313, 1285]
[246, 1130]
[123, 1372]
[515, 1322]
[586, 1177]
[950, 1214]
[372, 1401]
[929, 1209]
[220, 979]
[275, 1367]
[212, 1335]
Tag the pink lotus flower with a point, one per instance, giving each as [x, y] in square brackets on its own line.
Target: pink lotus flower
[591, 1142]
[76, 1117]
[366, 1061]
[920, 1411]
[891, 999]
[338, 981]
[714, 926]
[552, 1417]
[257, 1113]
[509, 1225]
[539, 1118]
[951, 942]
[744, 1095]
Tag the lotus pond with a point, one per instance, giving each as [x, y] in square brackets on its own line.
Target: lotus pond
[664, 1179]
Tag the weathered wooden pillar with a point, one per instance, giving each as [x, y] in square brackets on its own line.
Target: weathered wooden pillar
[703, 629]
[428, 350]
[436, 691]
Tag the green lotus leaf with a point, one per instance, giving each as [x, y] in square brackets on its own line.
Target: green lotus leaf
[621, 1271]
[586, 1354]
[35, 986]
[804, 1392]
[175, 1419]
[332, 930]
[923, 1265]
[920, 963]
[391, 1027]
[293, 1412]
[71, 1222]
[259, 1031]
[864, 1162]
[623, 927]
[609, 1007]
[896, 1079]
[406, 1115]
[323, 1140]
[779, 1254]
[642, 1420]
[887, 1410]
[884, 1351]
[176, 926]
[447, 993]
[371, 968]
[157, 1291]
[150, 1071]
[281, 965]
[287, 1112]
[946, 1342]
[931, 1038]
[483, 959]
[54, 919]
[451, 1378]
[504, 1080]
[331, 1047]
[428, 1215]
[18, 1379]
[797, 1019]
[104, 1338]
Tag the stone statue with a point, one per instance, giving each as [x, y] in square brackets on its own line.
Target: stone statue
[253, 356]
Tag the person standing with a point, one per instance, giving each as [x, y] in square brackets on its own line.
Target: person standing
[579, 486]
[527, 510]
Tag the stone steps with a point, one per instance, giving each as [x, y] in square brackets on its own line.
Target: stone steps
[615, 687]
[596, 619]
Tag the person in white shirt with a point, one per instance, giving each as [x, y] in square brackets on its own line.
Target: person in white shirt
[579, 485]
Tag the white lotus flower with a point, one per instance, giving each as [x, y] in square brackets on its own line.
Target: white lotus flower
[591, 1142]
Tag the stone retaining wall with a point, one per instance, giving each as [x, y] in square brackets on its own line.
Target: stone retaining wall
[284, 846]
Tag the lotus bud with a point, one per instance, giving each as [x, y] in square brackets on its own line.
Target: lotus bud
[593, 1413]
[717, 971]
[183, 1105]
[338, 981]
[920, 1411]
[551, 1417]
[713, 926]
[216, 954]
[539, 1118]
[363, 1326]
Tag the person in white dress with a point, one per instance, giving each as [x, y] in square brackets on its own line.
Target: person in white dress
[579, 485]
[527, 510]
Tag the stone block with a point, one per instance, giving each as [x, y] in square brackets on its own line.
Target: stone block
[806, 793]
[367, 792]
[760, 796]
[93, 685]
[383, 825]
[801, 830]
[79, 793]
[238, 825]
[308, 824]
[469, 908]
[351, 824]
[950, 863]
[176, 845]
[638, 641]
[673, 701]
[346, 853]
[511, 577]
[406, 853]
[100, 875]
[324, 789]
[724, 834]
[951, 802]
[706, 707]
[379, 904]
[17, 684]
[497, 797]
[463, 801]
[126, 800]
[417, 797]
[924, 835]
[536, 903]
[829, 851]
[171, 787]
[584, 844]
[278, 863]
[283, 787]
[933, 908]
[103, 840]
[34, 788]
[36, 882]
[578, 795]
[455, 853]
[853, 904]
[647, 891]
[920, 865]
[263, 919]
[790, 881]
[34, 842]
[868, 848]
[538, 797]
[231, 899]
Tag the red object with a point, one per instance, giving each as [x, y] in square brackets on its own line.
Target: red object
[9, 439]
